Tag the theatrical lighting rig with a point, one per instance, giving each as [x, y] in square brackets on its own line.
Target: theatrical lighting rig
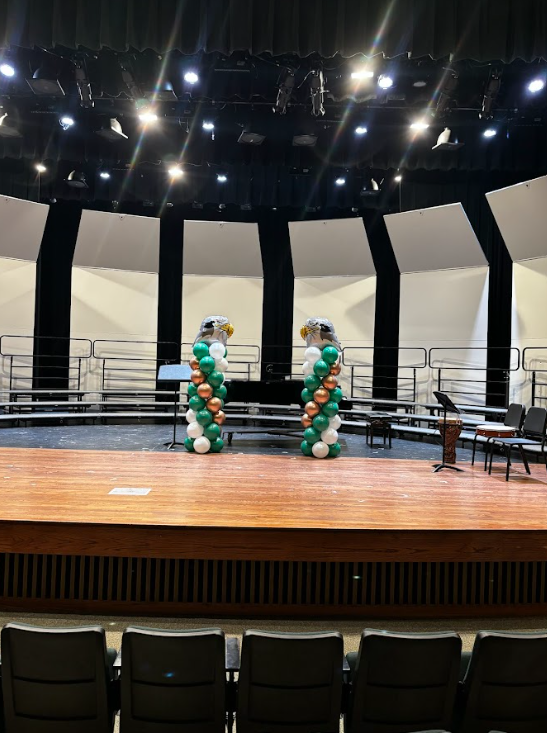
[490, 132]
[112, 131]
[207, 125]
[7, 70]
[446, 97]
[190, 77]
[76, 179]
[362, 74]
[361, 130]
[340, 181]
[535, 86]
[444, 143]
[135, 91]
[317, 92]
[175, 172]
[105, 175]
[490, 93]
[398, 178]
[8, 128]
[385, 81]
[40, 167]
[66, 121]
[148, 116]
[222, 178]
[84, 86]
[286, 88]
[44, 83]
[419, 125]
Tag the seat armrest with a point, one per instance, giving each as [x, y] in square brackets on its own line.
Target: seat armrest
[232, 654]
[345, 665]
[118, 661]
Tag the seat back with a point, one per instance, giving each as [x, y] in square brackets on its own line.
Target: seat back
[290, 683]
[514, 415]
[173, 680]
[55, 680]
[505, 687]
[404, 682]
[535, 422]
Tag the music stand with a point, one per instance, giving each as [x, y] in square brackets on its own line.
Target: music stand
[448, 406]
[174, 373]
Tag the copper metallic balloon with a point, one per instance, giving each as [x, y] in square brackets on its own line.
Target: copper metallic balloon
[329, 382]
[214, 404]
[336, 368]
[194, 363]
[321, 395]
[205, 390]
[219, 417]
[312, 409]
[197, 376]
[306, 421]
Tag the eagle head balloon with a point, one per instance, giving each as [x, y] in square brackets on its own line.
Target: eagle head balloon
[214, 328]
[319, 332]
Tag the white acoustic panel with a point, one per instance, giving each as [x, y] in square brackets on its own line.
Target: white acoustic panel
[118, 242]
[338, 247]
[21, 228]
[17, 296]
[221, 249]
[439, 238]
[521, 215]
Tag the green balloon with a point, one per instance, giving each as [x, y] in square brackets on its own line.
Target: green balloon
[220, 392]
[334, 450]
[212, 431]
[217, 446]
[311, 435]
[312, 383]
[307, 395]
[305, 447]
[200, 350]
[336, 394]
[330, 354]
[192, 390]
[196, 403]
[330, 409]
[320, 422]
[189, 444]
[321, 368]
[207, 364]
[204, 417]
[215, 378]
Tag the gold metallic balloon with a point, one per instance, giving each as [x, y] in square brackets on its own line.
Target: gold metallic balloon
[205, 390]
[194, 363]
[329, 382]
[219, 417]
[312, 409]
[214, 404]
[336, 368]
[321, 395]
[306, 421]
[197, 376]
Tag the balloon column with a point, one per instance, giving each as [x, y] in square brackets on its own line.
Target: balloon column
[321, 393]
[206, 391]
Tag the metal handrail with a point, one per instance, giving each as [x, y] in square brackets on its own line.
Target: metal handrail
[525, 367]
[96, 346]
[5, 336]
[487, 349]
[384, 349]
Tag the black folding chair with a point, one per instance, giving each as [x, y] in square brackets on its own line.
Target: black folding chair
[513, 419]
[533, 433]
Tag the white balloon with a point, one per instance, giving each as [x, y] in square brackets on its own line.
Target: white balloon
[195, 430]
[312, 354]
[329, 436]
[335, 422]
[190, 415]
[217, 350]
[307, 368]
[202, 444]
[221, 365]
[319, 449]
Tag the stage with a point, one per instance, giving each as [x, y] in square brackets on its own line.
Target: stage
[263, 534]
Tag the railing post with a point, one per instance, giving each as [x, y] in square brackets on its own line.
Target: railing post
[533, 389]
[352, 377]
[439, 380]
[11, 372]
[414, 384]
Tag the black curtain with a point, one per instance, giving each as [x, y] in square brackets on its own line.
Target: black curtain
[278, 304]
[53, 293]
[485, 30]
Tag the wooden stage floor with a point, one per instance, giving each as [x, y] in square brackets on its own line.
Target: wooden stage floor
[241, 507]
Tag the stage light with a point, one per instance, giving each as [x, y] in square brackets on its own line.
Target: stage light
[176, 171]
[7, 69]
[207, 125]
[317, 92]
[191, 77]
[135, 91]
[490, 94]
[490, 132]
[398, 178]
[8, 127]
[362, 74]
[446, 96]
[105, 175]
[148, 116]
[113, 131]
[306, 140]
[536, 85]
[66, 121]
[40, 167]
[221, 178]
[444, 143]
[248, 137]
[385, 82]
[44, 83]
[419, 125]
[84, 85]
[76, 179]
[340, 181]
[361, 130]
[419, 84]
[286, 88]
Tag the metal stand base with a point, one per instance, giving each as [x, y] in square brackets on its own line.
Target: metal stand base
[440, 466]
[172, 444]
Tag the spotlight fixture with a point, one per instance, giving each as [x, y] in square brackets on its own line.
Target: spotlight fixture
[419, 83]
[84, 86]
[113, 131]
[135, 92]
[175, 171]
[446, 96]
[40, 167]
[361, 130]
[163, 92]
[370, 188]
[105, 175]
[317, 92]
[251, 138]
[443, 141]
[398, 178]
[419, 125]
[222, 178]
[190, 77]
[490, 132]
[8, 127]
[66, 121]
[148, 116]
[44, 83]
[7, 69]
[385, 82]
[76, 179]
[490, 93]
[340, 181]
[535, 86]
[208, 125]
[361, 74]
[286, 88]
[304, 141]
